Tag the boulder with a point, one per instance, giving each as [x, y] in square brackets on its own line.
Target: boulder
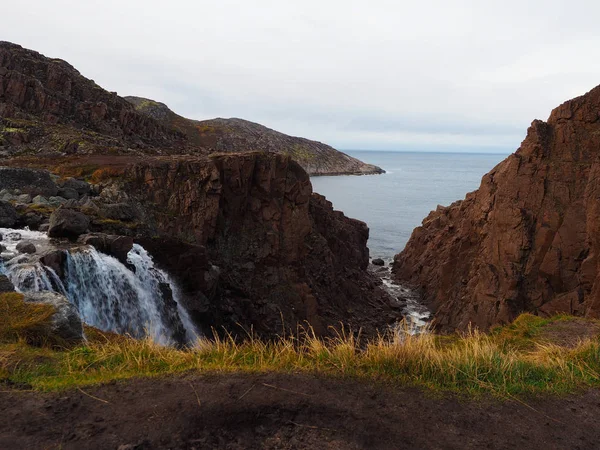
[55, 260]
[26, 247]
[79, 186]
[117, 246]
[378, 262]
[68, 223]
[23, 199]
[66, 323]
[40, 200]
[32, 219]
[27, 181]
[8, 215]
[68, 193]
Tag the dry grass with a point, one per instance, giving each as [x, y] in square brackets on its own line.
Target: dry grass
[21, 321]
[470, 363]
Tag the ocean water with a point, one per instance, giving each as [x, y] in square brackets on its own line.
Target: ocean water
[395, 203]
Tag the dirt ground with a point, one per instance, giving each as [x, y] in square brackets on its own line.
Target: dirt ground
[288, 412]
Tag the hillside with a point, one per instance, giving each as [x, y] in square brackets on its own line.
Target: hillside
[48, 108]
[230, 135]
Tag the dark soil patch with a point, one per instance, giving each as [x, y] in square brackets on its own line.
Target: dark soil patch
[288, 412]
[568, 333]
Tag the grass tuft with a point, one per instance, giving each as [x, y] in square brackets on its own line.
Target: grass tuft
[471, 363]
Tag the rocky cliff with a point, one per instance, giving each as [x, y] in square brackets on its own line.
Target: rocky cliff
[232, 135]
[527, 239]
[268, 253]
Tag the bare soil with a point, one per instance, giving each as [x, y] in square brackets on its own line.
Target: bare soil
[288, 412]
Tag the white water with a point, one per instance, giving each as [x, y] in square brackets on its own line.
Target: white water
[141, 300]
[416, 315]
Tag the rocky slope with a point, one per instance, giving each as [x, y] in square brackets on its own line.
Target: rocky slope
[48, 108]
[233, 135]
[527, 239]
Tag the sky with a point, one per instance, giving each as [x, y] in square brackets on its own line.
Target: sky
[453, 75]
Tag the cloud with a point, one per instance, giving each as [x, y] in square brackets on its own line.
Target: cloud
[382, 74]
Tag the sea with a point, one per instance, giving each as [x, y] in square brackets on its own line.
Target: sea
[415, 183]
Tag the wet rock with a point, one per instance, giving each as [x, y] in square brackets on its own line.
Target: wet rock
[117, 246]
[378, 262]
[44, 227]
[66, 323]
[55, 260]
[32, 220]
[8, 215]
[27, 181]
[13, 236]
[5, 284]
[68, 223]
[26, 247]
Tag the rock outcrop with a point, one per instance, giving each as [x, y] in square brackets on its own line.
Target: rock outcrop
[527, 239]
[265, 249]
[65, 325]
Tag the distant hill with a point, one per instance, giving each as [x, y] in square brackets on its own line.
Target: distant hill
[48, 108]
[232, 135]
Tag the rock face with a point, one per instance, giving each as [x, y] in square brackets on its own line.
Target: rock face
[51, 90]
[256, 246]
[527, 239]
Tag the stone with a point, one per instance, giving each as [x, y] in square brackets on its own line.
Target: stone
[378, 262]
[55, 260]
[66, 324]
[57, 201]
[68, 223]
[117, 246]
[40, 200]
[26, 247]
[44, 227]
[8, 215]
[68, 194]
[79, 186]
[24, 199]
[32, 219]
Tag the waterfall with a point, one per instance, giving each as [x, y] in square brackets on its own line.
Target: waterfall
[138, 299]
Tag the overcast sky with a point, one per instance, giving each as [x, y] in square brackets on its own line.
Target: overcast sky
[465, 75]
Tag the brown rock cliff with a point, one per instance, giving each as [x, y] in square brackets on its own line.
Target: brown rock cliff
[527, 239]
[282, 252]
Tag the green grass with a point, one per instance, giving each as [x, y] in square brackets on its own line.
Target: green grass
[470, 363]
